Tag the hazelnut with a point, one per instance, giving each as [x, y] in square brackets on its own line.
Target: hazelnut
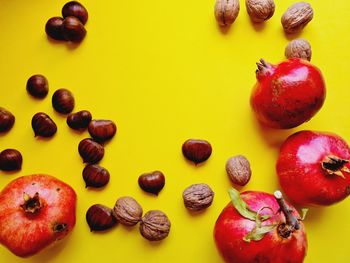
[79, 120]
[196, 151]
[63, 101]
[297, 17]
[10, 160]
[53, 28]
[238, 170]
[38, 86]
[91, 151]
[298, 48]
[74, 8]
[95, 176]
[155, 225]
[226, 11]
[198, 197]
[73, 30]
[43, 125]
[7, 119]
[102, 130]
[100, 217]
[152, 182]
[260, 10]
[127, 211]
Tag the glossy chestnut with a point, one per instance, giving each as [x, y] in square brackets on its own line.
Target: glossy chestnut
[76, 9]
[63, 101]
[10, 160]
[79, 120]
[196, 151]
[91, 151]
[152, 182]
[53, 28]
[7, 119]
[38, 86]
[102, 130]
[43, 125]
[95, 176]
[100, 217]
[73, 30]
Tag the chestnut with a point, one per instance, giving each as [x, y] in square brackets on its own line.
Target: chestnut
[102, 130]
[38, 86]
[76, 9]
[43, 125]
[91, 151]
[7, 119]
[63, 101]
[53, 28]
[73, 30]
[100, 217]
[95, 176]
[79, 120]
[10, 160]
[196, 151]
[152, 182]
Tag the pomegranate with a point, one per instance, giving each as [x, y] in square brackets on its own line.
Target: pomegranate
[260, 227]
[35, 211]
[313, 168]
[288, 94]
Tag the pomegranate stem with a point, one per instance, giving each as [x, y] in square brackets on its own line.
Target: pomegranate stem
[291, 221]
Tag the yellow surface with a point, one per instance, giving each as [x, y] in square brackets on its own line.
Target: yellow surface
[165, 72]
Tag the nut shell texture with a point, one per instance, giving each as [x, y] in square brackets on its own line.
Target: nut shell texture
[155, 225]
[238, 170]
[297, 17]
[260, 10]
[127, 211]
[226, 11]
[198, 197]
[299, 48]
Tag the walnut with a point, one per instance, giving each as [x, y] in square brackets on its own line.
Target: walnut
[198, 197]
[226, 11]
[155, 225]
[260, 10]
[298, 48]
[238, 170]
[127, 211]
[297, 17]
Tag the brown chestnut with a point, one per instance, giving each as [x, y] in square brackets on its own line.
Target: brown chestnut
[79, 120]
[196, 151]
[102, 130]
[53, 28]
[152, 182]
[7, 119]
[38, 86]
[10, 160]
[100, 217]
[73, 30]
[63, 101]
[74, 8]
[95, 176]
[43, 125]
[91, 151]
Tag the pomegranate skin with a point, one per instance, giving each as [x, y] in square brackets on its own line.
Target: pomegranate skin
[288, 94]
[26, 233]
[301, 173]
[231, 227]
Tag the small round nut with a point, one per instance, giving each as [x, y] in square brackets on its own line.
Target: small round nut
[198, 197]
[297, 17]
[238, 170]
[226, 11]
[298, 48]
[260, 10]
[127, 211]
[155, 225]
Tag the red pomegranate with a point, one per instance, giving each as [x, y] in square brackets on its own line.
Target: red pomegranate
[313, 168]
[260, 227]
[35, 211]
[288, 94]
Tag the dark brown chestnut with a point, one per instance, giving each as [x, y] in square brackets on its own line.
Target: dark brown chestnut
[43, 125]
[91, 151]
[100, 217]
[152, 182]
[53, 28]
[73, 30]
[74, 8]
[38, 86]
[7, 119]
[196, 151]
[10, 160]
[63, 101]
[102, 130]
[95, 176]
[79, 120]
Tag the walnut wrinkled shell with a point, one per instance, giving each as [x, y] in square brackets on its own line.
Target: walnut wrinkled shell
[260, 10]
[298, 48]
[238, 170]
[155, 225]
[226, 11]
[127, 211]
[198, 197]
[297, 17]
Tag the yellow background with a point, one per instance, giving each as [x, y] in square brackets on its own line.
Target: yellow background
[165, 72]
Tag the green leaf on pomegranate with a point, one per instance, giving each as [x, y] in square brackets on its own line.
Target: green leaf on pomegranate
[258, 233]
[304, 213]
[241, 206]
